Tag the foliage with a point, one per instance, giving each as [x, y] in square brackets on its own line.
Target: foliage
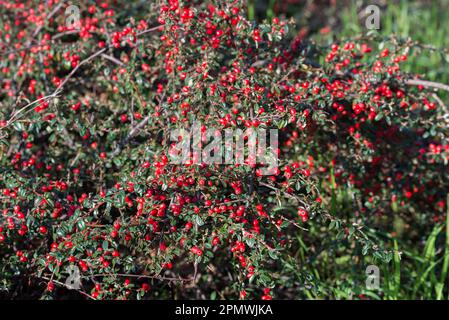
[87, 180]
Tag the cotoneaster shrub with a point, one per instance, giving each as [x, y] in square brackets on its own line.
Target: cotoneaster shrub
[87, 180]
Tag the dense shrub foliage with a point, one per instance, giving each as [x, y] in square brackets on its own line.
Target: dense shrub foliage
[86, 178]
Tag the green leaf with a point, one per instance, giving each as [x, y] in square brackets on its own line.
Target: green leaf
[81, 225]
[379, 116]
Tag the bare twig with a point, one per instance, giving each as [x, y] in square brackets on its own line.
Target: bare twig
[428, 84]
[130, 135]
[96, 54]
[64, 285]
[149, 30]
[23, 109]
[113, 59]
[157, 277]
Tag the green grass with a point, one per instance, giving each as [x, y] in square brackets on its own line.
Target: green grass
[419, 274]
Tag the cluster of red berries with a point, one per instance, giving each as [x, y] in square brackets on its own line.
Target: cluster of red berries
[94, 179]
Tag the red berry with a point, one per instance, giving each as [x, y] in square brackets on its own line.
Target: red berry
[196, 251]
[50, 286]
[145, 287]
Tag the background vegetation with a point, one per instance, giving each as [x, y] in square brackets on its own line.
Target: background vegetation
[80, 184]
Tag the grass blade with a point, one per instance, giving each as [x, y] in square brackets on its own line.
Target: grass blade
[440, 285]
